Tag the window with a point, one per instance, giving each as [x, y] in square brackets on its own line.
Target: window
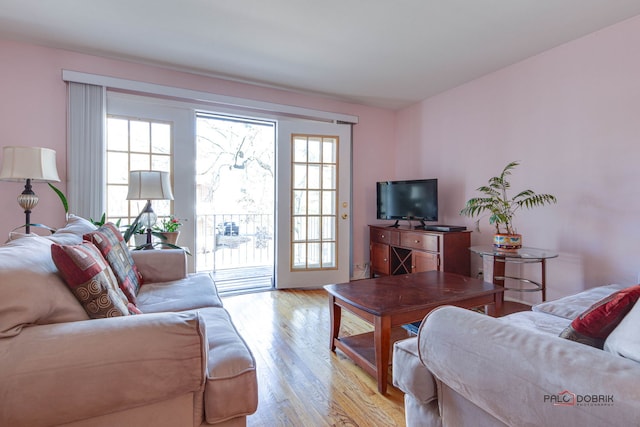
[135, 144]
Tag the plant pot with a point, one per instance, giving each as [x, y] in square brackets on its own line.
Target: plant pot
[507, 242]
[139, 239]
[171, 237]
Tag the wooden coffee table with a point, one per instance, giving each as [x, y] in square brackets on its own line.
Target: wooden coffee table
[390, 301]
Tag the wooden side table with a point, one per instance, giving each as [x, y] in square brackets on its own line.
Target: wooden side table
[523, 255]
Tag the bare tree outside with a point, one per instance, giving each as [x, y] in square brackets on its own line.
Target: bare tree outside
[235, 192]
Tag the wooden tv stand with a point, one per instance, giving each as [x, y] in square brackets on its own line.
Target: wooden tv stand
[403, 250]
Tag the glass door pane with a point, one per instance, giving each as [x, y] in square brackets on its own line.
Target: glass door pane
[314, 216]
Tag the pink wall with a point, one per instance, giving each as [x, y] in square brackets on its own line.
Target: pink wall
[33, 113]
[571, 116]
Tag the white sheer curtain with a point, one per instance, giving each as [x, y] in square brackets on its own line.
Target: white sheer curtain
[86, 176]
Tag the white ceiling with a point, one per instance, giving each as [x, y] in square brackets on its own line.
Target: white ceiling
[385, 53]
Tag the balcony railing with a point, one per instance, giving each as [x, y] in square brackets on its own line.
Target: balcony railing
[225, 241]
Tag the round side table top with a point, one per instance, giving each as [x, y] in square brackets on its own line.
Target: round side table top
[522, 253]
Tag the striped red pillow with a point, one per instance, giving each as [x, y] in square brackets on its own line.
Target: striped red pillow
[111, 244]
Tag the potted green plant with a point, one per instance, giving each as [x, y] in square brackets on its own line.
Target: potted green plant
[502, 208]
[169, 229]
[137, 231]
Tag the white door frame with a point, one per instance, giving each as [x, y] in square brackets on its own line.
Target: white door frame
[183, 114]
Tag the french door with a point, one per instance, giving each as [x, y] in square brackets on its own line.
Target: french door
[313, 190]
[313, 194]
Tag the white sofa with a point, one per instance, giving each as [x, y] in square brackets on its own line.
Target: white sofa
[468, 369]
[181, 363]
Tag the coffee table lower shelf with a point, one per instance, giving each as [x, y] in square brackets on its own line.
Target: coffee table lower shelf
[361, 348]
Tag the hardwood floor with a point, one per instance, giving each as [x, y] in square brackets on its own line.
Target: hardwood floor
[301, 382]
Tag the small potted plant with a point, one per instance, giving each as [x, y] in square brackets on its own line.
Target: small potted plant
[169, 229]
[502, 208]
[140, 236]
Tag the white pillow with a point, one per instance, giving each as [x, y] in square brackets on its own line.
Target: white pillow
[72, 232]
[572, 306]
[625, 339]
[31, 290]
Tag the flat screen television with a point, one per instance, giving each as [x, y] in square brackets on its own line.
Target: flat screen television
[414, 199]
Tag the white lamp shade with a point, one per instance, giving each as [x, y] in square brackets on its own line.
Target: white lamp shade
[35, 163]
[149, 185]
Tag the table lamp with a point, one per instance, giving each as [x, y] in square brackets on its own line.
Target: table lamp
[30, 164]
[149, 185]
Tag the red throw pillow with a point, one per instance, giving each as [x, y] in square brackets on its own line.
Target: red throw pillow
[91, 280]
[111, 244]
[594, 325]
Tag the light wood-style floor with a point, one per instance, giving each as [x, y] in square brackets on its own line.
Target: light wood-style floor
[301, 382]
